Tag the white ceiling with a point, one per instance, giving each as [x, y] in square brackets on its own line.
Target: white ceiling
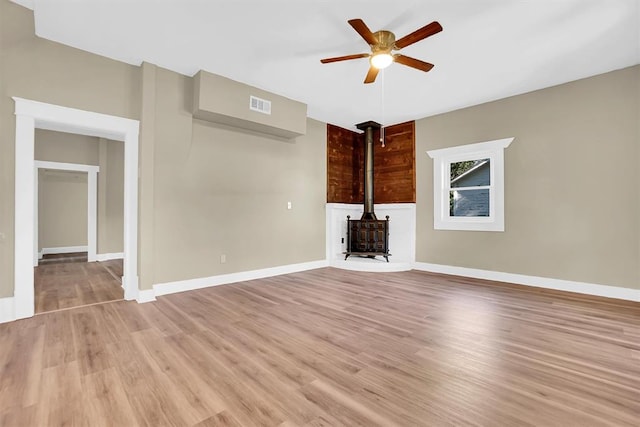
[489, 49]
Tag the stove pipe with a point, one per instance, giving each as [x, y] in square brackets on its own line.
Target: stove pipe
[368, 128]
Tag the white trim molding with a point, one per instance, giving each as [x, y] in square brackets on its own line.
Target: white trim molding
[64, 250]
[109, 256]
[535, 281]
[442, 159]
[73, 167]
[146, 295]
[7, 309]
[72, 249]
[31, 115]
[224, 279]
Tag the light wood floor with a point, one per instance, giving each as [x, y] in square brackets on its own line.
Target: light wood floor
[329, 347]
[70, 281]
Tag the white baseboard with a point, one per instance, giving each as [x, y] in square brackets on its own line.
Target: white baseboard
[7, 305]
[64, 250]
[130, 285]
[109, 256]
[146, 295]
[539, 282]
[223, 279]
[7, 310]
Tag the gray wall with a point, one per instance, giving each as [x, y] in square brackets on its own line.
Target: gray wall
[571, 183]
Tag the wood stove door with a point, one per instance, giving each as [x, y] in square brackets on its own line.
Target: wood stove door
[368, 236]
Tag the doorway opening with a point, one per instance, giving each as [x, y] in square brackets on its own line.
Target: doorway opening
[67, 272]
[90, 242]
[31, 115]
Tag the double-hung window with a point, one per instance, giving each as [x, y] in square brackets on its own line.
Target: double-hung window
[469, 186]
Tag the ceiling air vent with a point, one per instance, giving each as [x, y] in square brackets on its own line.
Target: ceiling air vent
[259, 104]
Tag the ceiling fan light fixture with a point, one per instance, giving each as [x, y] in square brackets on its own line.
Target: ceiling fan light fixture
[381, 60]
[383, 43]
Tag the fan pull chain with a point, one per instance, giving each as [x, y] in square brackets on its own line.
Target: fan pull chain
[382, 102]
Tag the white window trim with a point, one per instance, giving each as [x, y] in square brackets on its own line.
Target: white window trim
[442, 158]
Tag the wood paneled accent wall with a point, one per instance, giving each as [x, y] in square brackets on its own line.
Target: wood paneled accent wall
[394, 165]
[343, 156]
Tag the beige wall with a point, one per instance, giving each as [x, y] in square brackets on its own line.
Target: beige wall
[204, 190]
[62, 209]
[572, 199]
[109, 156]
[66, 147]
[222, 100]
[571, 190]
[62, 196]
[45, 71]
[111, 198]
[219, 191]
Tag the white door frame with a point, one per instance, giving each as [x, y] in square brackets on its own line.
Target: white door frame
[92, 204]
[31, 115]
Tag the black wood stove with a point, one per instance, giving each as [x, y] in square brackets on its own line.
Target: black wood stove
[368, 236]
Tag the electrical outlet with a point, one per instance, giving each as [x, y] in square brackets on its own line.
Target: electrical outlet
[342, 240]
[223, 259]
[289, 205]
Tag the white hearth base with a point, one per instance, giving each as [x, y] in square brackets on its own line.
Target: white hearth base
[402, 237]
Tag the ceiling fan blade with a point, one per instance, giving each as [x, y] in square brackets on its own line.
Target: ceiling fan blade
[412, 62]
[419, 34]
[363, 30]
[371, 75]
[344, 58]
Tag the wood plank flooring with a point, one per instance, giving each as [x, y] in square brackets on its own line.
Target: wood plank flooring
[65, 282]
[329, 348]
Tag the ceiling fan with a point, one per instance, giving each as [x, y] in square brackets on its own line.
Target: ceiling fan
[382, 44]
